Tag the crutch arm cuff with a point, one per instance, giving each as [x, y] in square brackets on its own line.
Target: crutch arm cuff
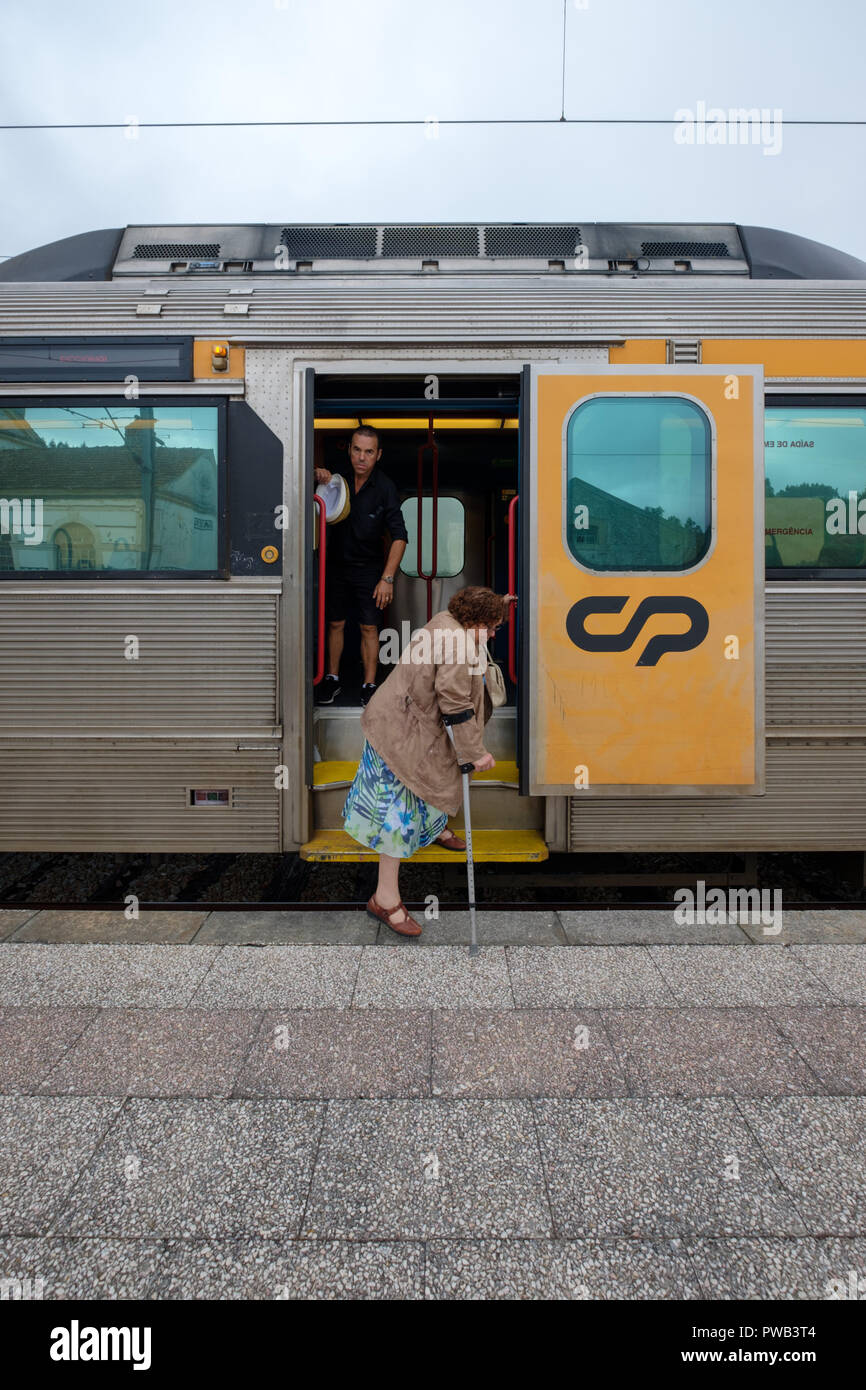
[460, 718]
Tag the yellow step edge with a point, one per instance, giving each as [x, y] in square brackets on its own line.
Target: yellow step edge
[342, 774]
[488, 846]
[334, 774]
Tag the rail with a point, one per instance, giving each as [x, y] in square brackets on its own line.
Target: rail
[512, 587]
[429, 443]
[323, 531]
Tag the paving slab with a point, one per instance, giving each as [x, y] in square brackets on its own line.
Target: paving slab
[641, 927]
[85, 1268]
[104, 976]
[194, 1168]
[817, 1146]
[273, 928]
[47, 1141]
[523, 1052]
[492, 929]
[764, 1269]
[707, 1052]
[832, 1041]
[656, 1169]
[559, 1269]
[585, 976]
[340, 1053]
[840, 969]
[298, 1269]
[412, 1169]
[738, 976]
[831, 925]
[156, 1052]
[273, 977]
[437, 977]
[11, 918]
[33, 1040]
[61, 924]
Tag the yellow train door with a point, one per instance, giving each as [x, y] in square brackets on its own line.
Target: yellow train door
[644, 558]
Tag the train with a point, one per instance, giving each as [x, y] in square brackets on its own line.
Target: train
[653, 434]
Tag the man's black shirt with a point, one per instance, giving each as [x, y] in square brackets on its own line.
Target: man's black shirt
[375, 508]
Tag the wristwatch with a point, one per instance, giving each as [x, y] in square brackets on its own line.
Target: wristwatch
[387, 578]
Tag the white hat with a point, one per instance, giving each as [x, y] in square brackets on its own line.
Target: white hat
[335, 495]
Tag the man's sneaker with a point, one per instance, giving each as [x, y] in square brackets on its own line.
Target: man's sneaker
[328, 690]
[367, 692]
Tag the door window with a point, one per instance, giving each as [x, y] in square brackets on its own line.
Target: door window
[639, 483]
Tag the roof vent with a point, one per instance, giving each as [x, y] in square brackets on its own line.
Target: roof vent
[329, 243]
[548, 242]
[691, 249]
[430, 243]
[175, 250]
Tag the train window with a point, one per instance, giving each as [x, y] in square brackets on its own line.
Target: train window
[815, 485]
[109, 487]
[449, 536]
[638, 483]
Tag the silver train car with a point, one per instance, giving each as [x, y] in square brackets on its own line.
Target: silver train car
[654, 434]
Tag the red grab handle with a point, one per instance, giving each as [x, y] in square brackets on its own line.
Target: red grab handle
[320, 657]
[512, 586]
[430, 444]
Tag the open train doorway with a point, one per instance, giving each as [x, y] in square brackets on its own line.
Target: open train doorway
[451, 445]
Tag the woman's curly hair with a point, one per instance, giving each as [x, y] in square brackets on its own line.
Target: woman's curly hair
[477, 607]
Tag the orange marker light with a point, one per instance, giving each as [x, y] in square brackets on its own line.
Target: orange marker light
[219, 357]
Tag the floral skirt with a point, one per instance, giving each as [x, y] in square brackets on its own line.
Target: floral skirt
[383, 814]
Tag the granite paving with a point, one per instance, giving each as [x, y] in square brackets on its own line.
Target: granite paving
[272, 1107]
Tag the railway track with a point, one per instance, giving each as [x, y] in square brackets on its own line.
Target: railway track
[280, 883]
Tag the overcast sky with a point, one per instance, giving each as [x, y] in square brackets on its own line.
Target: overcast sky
[388, 59]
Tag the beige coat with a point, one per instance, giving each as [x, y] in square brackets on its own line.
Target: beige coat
[402, 721]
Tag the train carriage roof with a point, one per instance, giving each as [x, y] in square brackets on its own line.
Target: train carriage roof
[633, 250]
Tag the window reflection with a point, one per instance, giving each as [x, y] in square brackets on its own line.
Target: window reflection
[815, 486]
[109, 487]
[638, 483]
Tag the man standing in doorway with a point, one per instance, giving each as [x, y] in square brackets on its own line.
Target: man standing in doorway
[354, 573]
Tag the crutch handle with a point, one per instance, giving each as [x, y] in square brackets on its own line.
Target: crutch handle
[467, 767]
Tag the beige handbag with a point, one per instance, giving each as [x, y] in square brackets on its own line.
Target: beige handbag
[495, 682]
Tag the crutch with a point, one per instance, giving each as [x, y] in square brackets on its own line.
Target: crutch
[466, 768]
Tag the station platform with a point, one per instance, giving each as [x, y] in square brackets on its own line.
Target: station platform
[336, 1114]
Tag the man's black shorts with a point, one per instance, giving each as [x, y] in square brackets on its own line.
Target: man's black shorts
[349, 594]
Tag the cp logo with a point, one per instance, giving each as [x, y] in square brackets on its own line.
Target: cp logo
[621, 641]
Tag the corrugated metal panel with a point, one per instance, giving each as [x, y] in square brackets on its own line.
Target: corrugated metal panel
[815, 800]
[207, 662]
[133, 797]
[445, 308]
[815, 642]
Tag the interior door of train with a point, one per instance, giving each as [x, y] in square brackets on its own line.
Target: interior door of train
[642, 561]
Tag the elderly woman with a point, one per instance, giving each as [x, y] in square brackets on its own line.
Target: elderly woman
[408, 781]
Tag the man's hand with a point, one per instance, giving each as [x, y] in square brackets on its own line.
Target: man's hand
[485, 763]
[383, 594]
[322, 475]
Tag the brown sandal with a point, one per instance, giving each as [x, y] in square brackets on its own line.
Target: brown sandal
[453, 842]
[407, 926]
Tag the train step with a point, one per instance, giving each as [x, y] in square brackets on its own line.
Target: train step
[488, 846]
[496, 804]
[342, 774]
